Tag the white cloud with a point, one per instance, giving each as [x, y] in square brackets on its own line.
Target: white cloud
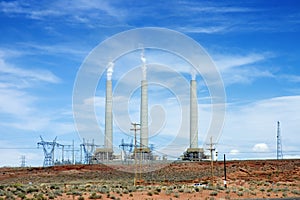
[260, 147]
[290, 78]
[256, 123]
[26, 74]
[225, 62]
[19, 104]
[242, 68]
[70, 11]
[234, 152]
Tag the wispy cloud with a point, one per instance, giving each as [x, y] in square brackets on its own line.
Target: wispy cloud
[207, 29]
[243, 68]
[70, 11]
[19, 103]
[27, 75]
[291, 78]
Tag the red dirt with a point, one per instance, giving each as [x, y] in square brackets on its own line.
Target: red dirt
[241, 175]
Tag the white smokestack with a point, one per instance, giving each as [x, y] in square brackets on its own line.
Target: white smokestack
[110, 70]
[193, 115]
[144, 105]
[108, 109]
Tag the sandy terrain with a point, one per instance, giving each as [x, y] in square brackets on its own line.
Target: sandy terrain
[245, 179]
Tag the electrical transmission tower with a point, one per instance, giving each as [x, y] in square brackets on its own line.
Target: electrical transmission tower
[127, 148]
[48, 148]
[88, 149]
[279, 145]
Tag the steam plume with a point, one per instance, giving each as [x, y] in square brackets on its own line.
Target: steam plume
[144, 67]
[110, 70]
[193, 73]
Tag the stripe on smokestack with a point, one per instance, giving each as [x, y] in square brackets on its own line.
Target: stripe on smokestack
[108, 109]
[193, 115]
[144, 105]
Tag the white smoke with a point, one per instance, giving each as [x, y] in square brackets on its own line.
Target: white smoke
[110, 70]
[193, 73]
[144, 67]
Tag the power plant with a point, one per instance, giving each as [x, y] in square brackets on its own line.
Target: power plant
[141, 150]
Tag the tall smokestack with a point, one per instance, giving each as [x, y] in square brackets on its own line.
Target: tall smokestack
[144, 105]
[193, 114]
[108, 109]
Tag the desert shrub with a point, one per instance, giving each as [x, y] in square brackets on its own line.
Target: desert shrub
[252, 188]
[213, 193]
[39, 196]
[269, 190]
[125, 191]
[240, 193]
[284, 194]
[131, 195]
[181, 190]
[168, 192]
[103, 190]
[262, 189]
[149, 193]
[95, 196]
[187, 190]
[31, 190]
[176, 195]
[21, 195]
[158, 190]
[259, 183]
[227, 197]
[253, 193]
[57, 192]
[132, 189]
[81, 198]
[76, 193]
[54, 187]
[266, 184]
[297, 192]
[51, 196]
[9, 195]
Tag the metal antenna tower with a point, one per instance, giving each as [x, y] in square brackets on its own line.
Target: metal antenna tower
[48, 148]
[23, 161]
[279, 145]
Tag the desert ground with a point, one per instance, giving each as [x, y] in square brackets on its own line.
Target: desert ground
[245, 180]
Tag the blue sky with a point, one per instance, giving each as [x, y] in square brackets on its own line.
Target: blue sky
[254, 44]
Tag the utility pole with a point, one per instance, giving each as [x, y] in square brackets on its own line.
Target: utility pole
[135, 129]
[279, 145]
[211, 148]
[225, 183]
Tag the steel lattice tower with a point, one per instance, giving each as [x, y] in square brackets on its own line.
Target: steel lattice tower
[48, 148]
[279, 145]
